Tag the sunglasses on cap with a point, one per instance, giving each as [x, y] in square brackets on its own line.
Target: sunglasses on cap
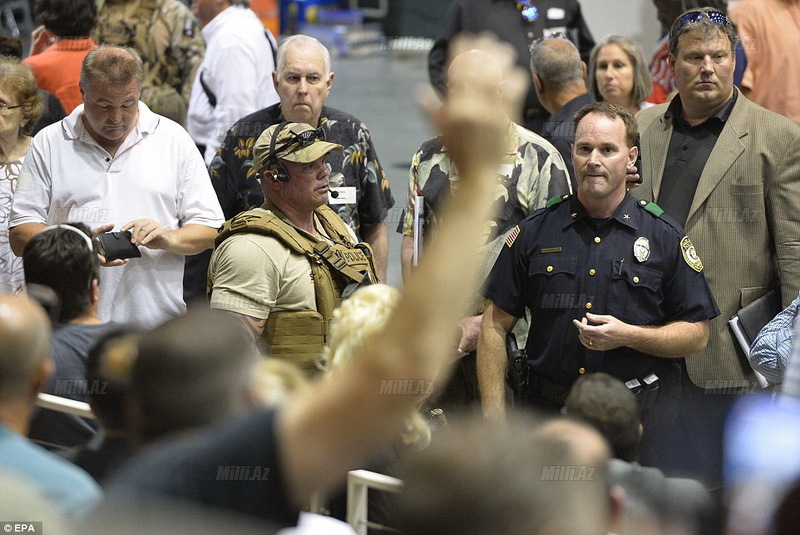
[300, 141]
[693, 17]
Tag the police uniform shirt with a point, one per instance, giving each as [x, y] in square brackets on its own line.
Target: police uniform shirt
[637, 266]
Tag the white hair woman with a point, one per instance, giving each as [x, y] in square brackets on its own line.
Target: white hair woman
[21, 105]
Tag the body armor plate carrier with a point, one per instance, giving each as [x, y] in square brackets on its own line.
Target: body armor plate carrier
[337, 270]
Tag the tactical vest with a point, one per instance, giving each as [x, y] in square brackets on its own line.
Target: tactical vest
[337, 270]
[161, 88]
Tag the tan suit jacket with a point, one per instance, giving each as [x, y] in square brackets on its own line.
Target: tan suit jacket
[744, 221]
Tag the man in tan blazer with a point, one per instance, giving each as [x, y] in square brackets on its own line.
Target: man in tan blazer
[729, 171]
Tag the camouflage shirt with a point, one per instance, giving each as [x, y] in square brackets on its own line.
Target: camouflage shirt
[167, 36]
[532, 172]
[234, 176]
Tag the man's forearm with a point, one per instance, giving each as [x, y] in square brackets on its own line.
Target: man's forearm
[673, 340]
[191, 239]
[492, 365]
[406, 256]
[21, 235]
[377, 237]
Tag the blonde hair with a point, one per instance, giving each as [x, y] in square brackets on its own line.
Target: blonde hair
[354, 323]
[276, 380]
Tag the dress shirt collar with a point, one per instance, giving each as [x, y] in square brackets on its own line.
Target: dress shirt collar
[674, 110]
[625, 213]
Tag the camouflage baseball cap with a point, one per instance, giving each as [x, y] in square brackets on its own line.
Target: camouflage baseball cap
[295, 142]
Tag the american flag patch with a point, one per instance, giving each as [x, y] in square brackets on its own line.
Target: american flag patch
[512, 236]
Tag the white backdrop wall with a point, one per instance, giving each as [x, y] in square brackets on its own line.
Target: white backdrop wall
[632, 18]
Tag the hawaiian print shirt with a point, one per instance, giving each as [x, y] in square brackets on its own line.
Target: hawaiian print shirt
[234, 177]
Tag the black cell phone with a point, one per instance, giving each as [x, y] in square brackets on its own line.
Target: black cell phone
[117, 245]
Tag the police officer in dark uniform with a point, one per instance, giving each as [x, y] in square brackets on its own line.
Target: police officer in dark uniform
[519, 23]
[612, 283]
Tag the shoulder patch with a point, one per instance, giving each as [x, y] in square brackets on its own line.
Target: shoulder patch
[511, 237]
[556, 200]
[690, 254]
[652, 207]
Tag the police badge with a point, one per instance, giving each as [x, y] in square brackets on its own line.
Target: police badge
[641, 248]
[690, 254]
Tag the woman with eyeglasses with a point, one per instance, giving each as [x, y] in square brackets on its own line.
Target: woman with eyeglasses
[21, 105]
[618, 73]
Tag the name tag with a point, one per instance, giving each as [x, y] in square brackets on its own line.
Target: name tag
[556, 13]
[342, 195]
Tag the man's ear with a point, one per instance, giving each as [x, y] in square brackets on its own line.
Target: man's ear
[633, 153]
[46, 369]
[583, 70]
[671, 62]
[275, 80]
[616, 496]
[537, 83]
[94, 291]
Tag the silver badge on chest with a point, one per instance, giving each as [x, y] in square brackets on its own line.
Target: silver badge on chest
[641, 249]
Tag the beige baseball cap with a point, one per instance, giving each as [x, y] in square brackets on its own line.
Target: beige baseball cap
[295, 142]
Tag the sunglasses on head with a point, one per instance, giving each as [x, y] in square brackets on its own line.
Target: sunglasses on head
[301, 140]
[693, 17]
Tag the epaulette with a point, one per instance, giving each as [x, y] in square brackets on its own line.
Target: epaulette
[555, 201]
[651, 207]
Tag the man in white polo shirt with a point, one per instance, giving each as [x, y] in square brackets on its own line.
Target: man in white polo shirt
[114, 162]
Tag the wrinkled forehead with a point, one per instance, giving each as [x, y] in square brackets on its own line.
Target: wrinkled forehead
[304, 59]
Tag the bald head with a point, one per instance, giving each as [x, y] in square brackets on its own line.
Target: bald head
[557, 63]
[586, 444]
[473, 65]
[24, 344]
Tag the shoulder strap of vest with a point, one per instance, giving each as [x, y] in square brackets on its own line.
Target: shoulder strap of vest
[267, 224]
[333, 224]
[272, 225]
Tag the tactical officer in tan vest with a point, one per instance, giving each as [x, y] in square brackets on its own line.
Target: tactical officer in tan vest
[283, 267]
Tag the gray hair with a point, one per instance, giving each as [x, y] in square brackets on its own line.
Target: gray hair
[557, 62]
[642, 82]
[302, 40]
[704, 26]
